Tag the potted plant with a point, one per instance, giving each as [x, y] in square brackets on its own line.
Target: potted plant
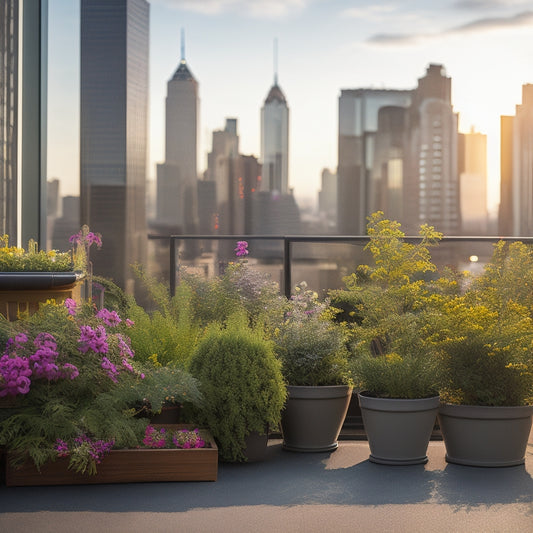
[392, 362]
[30, 277]
[484, 339]
[312, 350]
[74, 382]
[242, 387]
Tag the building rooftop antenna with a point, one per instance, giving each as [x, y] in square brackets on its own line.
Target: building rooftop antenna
[275, 61]
[182, 45]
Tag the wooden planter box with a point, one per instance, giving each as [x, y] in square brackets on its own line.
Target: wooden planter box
[125, 466]
[25, 291]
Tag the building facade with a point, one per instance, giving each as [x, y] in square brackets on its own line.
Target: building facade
[516, 201]
[358, 127]
[23, 119]
[431, 181]
[398, 153]
[275, 141]
[472, 160]
[113, 132]
[177, 189]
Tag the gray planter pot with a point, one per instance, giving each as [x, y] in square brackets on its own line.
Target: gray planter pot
[485, 436]
[398, 431]
[313, 416]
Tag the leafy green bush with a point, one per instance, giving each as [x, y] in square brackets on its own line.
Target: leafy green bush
[241, 383]
[310, 344]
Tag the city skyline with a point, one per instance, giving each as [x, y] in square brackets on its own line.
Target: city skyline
[324, 47]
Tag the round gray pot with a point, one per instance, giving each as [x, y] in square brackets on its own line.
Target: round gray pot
[398, 431]
[477, 435]
[313, 416]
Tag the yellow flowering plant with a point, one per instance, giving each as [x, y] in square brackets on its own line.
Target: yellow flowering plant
[484, 337]
[386, 311]
[15, 259]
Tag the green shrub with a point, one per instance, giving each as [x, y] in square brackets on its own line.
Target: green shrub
[241, 384]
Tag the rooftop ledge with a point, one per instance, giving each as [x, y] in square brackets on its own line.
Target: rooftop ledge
[294, 492]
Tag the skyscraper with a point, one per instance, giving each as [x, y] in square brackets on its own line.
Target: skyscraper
[398, 153]
[431, 181]
[275, 141]
[177, 203]
[113, 131]
[358, 127]
[23, 81]
[472, 159]
[516, 203]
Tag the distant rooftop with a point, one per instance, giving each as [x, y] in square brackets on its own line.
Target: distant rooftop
[275, 94]
[183, 73]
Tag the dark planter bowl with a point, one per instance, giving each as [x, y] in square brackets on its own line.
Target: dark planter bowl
[477, 435]
[10, 281]
[398, 430]
[313, 416]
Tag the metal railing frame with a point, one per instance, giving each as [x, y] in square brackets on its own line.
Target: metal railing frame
[288, 240]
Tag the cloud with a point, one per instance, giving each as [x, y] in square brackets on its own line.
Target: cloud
[489, 23]
[252, 8]
[371, 12]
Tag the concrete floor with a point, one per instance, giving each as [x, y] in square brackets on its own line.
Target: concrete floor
[291, 492]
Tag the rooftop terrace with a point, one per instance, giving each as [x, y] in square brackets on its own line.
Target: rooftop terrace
[337, 491]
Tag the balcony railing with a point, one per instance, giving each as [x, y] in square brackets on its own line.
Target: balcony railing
[321, 261]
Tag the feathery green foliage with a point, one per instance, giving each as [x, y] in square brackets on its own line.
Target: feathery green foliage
[241, 383]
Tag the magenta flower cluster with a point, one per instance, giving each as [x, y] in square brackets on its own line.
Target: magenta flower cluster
[24, 360]
[181, 438]
[154, 438]
[93, 451]
[241, 249]
[86, 239]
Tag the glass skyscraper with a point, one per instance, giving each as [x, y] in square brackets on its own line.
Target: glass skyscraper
[113, 131]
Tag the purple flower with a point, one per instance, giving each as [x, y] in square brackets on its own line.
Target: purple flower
[61, 448]
[242, 248]
[110, 318]
[69, 371]
[129, 322]
[110, 368]
[93, 339]
[15, 375]
[71, 304]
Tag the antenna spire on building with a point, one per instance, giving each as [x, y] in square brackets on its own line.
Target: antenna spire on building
[182, 45]
[275, 61]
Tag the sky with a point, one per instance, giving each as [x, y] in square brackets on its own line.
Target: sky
[323, 46]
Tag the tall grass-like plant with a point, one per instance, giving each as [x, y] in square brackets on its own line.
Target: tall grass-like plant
[241, 384]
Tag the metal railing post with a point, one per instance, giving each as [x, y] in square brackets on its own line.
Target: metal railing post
[172, 273]
[287, 282]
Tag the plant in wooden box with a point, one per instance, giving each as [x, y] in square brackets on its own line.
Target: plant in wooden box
[393, 365]
[242, 387]
[484, 339]
[312, 349]
[73, 377]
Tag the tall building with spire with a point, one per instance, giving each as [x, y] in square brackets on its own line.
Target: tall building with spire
[177, 196]
[114, 132]
[275, 139]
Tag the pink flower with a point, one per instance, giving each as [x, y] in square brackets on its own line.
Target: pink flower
[242, 248]
[71, 305]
